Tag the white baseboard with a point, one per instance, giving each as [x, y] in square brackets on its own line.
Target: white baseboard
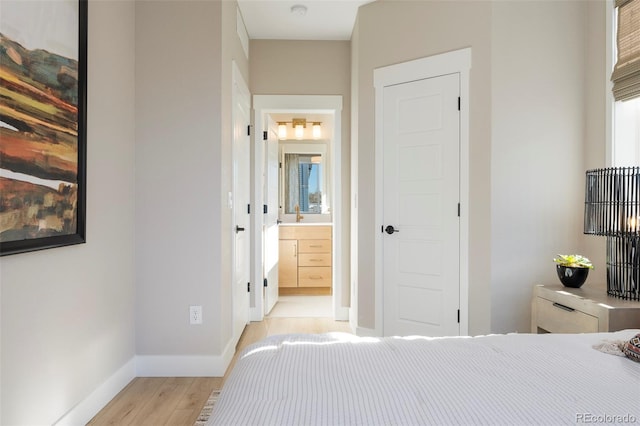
[366, 332]
[341, 313]
[92, 404]
[185, 365]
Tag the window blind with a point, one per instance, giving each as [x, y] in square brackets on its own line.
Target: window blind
[626, 73]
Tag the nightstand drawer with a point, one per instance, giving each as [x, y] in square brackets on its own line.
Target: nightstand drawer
[315, 259]
[558, 318]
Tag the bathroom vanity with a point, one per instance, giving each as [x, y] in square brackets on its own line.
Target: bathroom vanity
[305, 259]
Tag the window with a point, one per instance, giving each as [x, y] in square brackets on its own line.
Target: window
[626, 84]
[626, 133]
[305, 180]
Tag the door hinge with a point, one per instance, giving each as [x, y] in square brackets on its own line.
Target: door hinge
[265, 209]
[265, 135]
[458, 316]
[249, 130]
[248, 208]
[458, 103]
[458, 209]
[265, 283]
[248, 287]
[280, 165]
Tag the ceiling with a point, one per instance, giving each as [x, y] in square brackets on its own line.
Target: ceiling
[323, 20]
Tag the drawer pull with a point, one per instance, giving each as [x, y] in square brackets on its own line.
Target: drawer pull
[315, 277]
[564, 308]
[315, 246]
[315, 260]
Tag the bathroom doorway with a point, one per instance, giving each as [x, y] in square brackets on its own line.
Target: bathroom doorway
[309, 211]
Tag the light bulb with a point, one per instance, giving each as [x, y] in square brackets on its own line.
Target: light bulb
[282, 130]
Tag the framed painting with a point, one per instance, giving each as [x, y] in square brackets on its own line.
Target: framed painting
[43, 115]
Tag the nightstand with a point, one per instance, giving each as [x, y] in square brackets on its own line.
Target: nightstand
[559, 309]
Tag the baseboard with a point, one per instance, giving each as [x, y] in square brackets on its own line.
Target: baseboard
[84, 411]
[366, 332]
[185, 365]
[341, 314]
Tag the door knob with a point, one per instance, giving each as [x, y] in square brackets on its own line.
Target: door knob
[238, 229]
[390, 229]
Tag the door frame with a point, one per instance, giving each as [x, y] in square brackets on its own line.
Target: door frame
[262, 106]
[458, 61]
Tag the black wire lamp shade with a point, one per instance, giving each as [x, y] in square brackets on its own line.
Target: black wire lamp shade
[612, 209]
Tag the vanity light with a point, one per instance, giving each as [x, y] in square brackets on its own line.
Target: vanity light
[317, 130]
[299, 125]
[282, 130]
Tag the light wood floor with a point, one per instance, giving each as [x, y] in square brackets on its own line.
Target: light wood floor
[177, 401]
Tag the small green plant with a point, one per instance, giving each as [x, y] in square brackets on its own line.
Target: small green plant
[573, 261]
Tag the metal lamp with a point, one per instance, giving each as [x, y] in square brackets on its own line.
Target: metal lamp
[612, 209]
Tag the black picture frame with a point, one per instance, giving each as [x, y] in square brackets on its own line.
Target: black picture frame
[74, 234]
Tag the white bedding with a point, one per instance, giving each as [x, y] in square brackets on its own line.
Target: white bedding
[516, 379]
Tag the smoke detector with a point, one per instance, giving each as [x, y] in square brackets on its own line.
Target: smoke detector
[299, 10]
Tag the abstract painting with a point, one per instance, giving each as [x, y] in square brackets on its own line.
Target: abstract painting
[43, 70]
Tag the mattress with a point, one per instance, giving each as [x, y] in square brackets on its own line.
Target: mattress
[514, 379]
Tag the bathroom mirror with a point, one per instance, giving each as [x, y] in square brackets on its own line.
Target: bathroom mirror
[304, 182]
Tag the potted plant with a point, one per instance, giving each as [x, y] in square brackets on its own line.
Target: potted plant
[572, 269]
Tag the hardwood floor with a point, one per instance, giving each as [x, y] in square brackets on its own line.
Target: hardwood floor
[177, 401]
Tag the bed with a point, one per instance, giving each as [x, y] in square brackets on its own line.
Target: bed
[513, 379]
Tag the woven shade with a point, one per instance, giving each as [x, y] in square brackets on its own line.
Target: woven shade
[626, 74]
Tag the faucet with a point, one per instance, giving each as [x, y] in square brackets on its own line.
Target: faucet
[299, 217]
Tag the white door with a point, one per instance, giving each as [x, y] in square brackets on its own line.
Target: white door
[240, 202]
[271, 233]
[421, 253]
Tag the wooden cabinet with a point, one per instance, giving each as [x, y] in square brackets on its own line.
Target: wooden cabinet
[288, 264]
[305, 259]
[559, 309]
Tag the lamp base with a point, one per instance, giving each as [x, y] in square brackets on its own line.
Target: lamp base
[623, 267]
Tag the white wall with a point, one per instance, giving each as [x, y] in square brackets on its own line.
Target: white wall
[537, 120]
[183, 176]
[538, 149]
[67, 320]
[397, 31]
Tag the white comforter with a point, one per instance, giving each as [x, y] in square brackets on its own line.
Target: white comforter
[516, 379]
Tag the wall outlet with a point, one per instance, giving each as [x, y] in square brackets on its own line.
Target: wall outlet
[195, 314]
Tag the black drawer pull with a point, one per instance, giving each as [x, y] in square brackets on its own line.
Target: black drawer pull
[564, 308]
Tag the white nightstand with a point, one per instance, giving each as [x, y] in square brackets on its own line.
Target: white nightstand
[559, 309]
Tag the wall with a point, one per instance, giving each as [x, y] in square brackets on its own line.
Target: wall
[597, 96]
[539, 129]
[183, 176]
[537, 120]
[68, 313]
[389, 32]
[285, 67]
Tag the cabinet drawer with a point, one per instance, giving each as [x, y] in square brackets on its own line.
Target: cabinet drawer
[316, 259]
[315, 246]
[557, 318]
[314, 276]
[305, 232]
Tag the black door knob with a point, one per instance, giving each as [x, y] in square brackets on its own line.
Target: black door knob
[390, 229]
